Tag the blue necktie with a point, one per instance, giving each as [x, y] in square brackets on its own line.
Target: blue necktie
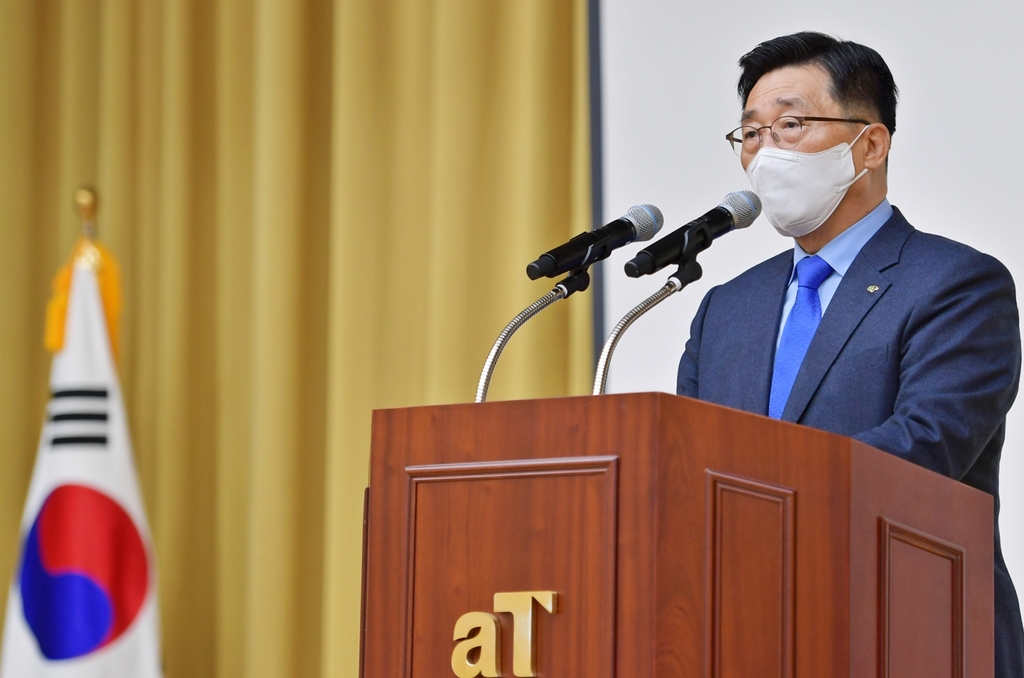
[796, 336]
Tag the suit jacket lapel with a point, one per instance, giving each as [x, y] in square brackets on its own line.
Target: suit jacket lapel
[851, 303]
[758, 322]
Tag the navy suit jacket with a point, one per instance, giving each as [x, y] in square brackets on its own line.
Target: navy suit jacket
[917, 354]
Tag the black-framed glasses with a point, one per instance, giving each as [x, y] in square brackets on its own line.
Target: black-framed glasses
[787, 132]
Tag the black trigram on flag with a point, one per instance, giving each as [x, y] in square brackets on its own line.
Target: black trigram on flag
[78, 417]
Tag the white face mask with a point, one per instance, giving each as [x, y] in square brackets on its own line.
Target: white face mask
[799, 191]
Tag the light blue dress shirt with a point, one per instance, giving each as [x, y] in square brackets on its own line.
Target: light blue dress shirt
[839, 253]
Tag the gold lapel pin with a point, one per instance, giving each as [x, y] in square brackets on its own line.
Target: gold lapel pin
[872, 288]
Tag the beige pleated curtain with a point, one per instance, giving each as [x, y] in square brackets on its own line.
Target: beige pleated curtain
[320, 208]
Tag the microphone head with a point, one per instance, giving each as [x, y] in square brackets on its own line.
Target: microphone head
[647, 220]
[744, 206]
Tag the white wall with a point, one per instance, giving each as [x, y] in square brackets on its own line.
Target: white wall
[956, 169]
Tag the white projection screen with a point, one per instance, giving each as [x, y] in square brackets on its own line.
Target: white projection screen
[668, 73]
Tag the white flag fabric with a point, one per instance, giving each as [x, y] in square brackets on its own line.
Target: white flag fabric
[83, 602]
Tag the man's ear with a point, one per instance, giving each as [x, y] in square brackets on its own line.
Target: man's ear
[877, 141]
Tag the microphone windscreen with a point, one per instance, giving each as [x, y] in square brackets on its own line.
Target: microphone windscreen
[744, 206]
[647, 220]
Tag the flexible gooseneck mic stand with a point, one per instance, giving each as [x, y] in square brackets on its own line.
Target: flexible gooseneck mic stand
[577, 281]
[688, 272]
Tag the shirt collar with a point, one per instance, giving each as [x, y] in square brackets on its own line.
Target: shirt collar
[840, 252]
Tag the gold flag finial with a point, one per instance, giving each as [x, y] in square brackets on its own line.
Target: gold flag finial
[87, 254]
[85, 204]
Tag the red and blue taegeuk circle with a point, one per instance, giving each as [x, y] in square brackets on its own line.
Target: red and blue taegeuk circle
[84, 573]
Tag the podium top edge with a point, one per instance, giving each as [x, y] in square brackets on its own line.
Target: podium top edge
[520, 401]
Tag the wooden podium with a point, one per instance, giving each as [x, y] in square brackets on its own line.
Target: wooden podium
[680, 539]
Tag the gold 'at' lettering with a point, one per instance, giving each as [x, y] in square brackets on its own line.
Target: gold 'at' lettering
[486, 640]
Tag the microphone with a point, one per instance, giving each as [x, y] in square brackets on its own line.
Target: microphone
[640, 223]
[738, 210]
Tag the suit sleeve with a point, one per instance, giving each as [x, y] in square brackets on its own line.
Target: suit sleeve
[960, 361]
[686, 378]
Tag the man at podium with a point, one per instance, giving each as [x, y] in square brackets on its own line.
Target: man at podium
[869, 328]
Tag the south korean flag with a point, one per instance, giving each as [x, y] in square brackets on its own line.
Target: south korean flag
[83, 600]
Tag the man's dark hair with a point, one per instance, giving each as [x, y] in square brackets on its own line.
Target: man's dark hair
[860, 78]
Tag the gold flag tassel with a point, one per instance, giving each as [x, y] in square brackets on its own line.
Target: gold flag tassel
[88, 253]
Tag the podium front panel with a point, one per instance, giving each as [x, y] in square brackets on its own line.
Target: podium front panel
[514, 526]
